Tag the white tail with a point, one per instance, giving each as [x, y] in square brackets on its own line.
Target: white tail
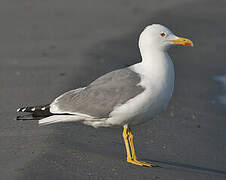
[59, 118]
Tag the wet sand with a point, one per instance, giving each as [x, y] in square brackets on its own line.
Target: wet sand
[47, 48]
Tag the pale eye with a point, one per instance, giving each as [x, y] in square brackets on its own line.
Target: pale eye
[163, 34]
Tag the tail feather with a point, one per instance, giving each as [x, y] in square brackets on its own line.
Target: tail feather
[59, 118]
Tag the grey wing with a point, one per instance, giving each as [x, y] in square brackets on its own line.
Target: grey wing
[101, 96]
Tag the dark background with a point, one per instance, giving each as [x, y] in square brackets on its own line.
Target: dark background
[48, 47]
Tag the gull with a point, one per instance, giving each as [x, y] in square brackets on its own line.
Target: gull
[123, 97]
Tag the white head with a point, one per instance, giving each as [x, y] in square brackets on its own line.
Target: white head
[160, 38]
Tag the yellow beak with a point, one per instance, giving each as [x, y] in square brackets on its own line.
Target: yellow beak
[183, 41]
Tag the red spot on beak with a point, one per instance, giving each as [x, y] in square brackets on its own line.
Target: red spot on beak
[188, 44]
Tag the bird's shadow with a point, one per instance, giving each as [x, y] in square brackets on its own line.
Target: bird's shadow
[164, 164]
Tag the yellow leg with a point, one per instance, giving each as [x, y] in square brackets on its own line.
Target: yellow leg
[131, 155]
[125, 137]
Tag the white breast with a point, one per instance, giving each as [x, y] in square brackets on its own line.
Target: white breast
[157, 77]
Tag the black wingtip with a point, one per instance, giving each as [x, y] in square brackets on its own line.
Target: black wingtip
[23, 109]
[27, 117]
[26, 109]
[43, 109]
[18, 110]
[33, 112]
[18, 118]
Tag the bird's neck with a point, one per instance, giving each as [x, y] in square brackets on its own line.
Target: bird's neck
[156, 70]
[154, 58]
[156, 64]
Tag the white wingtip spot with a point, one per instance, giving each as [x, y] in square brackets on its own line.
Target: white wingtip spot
[33, 109]
[23, 110]
[18, 110]
[43, 108]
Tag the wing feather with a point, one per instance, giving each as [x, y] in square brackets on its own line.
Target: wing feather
[100, 98]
